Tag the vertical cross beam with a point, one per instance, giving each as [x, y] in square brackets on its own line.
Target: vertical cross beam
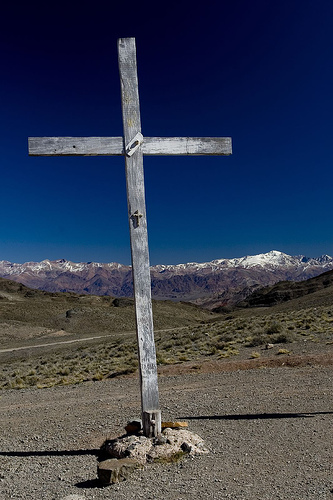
[151, 415]
[133, 146]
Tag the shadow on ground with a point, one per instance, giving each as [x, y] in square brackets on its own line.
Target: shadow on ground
[49, 453]
[91, 483]
[256, 416]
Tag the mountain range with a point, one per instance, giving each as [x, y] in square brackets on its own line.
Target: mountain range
[212, 284]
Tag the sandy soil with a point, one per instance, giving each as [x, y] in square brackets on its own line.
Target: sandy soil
[269, 431]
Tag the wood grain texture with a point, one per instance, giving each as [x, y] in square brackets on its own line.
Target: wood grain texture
[138, 231]
[113, 146]
[184, 146]
[76, 146]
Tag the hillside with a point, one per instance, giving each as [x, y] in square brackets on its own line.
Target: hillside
[34, 314]
[320, 288]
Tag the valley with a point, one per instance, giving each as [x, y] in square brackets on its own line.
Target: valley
[70, 338]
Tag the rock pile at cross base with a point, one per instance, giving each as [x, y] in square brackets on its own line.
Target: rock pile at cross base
[121, 456]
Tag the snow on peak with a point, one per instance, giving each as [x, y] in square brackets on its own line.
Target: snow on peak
[271, 260]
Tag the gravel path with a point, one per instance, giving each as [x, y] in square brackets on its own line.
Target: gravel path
[269, 431]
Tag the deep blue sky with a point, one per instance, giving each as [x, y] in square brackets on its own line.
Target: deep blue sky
[258, 71]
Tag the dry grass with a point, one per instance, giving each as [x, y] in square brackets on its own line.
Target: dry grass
[214, 336]
[71, 367]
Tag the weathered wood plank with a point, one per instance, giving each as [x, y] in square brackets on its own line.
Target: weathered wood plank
[138, 233]
[113, 146]
[76, 146]
[217, 146]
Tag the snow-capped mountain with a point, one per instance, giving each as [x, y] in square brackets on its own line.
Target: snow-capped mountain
[223, 280]
[271, 260]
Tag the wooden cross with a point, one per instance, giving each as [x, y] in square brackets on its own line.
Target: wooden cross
[133, 146]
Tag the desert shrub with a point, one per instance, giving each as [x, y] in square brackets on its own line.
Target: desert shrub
[273, 327]
[283, 351]
[64, 371]
[282, 338]
[195, 335]
[226, 337]
[228, 352]
[168, 345]
[160, 358]
[240, 324]
[32, 380]
[257, 340]
[18, 383]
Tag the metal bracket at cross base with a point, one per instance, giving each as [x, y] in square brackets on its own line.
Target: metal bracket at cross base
[151, 423]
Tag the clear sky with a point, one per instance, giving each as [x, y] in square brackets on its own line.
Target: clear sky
[260, 72]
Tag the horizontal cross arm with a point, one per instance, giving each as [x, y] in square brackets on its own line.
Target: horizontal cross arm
[113, 146]
[76, 146]
[187, 146]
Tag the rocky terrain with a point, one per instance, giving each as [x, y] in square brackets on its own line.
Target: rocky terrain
[267, 431]
[217, 283]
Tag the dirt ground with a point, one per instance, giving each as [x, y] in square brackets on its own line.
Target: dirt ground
[267, 423]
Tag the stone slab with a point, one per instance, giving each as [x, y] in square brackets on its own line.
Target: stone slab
[114, 471]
